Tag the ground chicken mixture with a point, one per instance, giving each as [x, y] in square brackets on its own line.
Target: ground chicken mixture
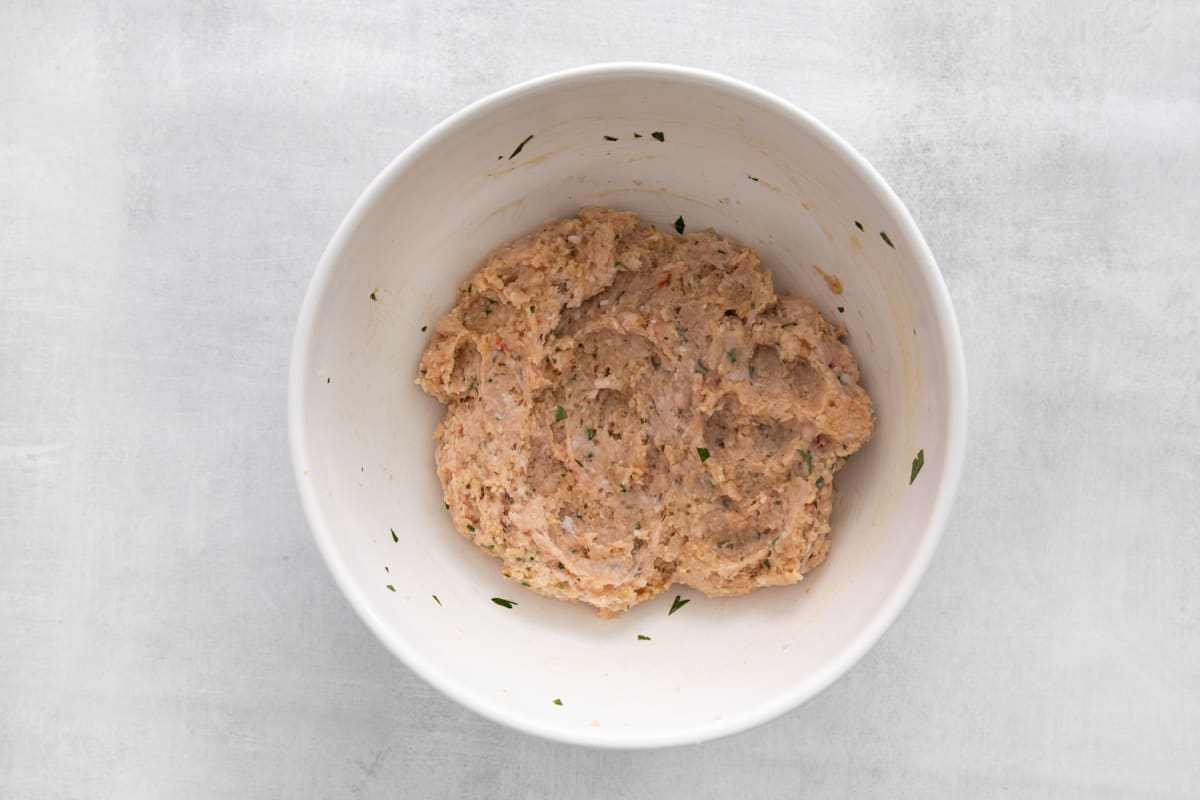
[628, 409]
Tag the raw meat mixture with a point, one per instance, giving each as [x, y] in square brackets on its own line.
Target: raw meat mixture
[627, 409]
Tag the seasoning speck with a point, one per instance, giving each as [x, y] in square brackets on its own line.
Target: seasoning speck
[391, 588]
[559, 414]
[610, 138]
[659, 135]
[703, 453]
[678, 604]
[642, 638]
[558, 701]
[751, 177]
[500, 601]
[424, 328]
[520, 147]
[884, 236]
[395, 538]
[679, 225]
[858, 225]
[918, 462]
[373, 297]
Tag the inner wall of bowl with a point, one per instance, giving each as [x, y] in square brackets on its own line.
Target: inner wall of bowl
[368, 429]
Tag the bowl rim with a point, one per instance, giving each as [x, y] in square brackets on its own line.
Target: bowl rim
[896, 598]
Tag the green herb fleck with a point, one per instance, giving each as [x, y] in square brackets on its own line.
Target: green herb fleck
[391, 588]
[659, 135]
[767, 563]
[841, 309]
[807, 456]
[679, 225]
[732, 354]
[327, 380]
[703, 453]
[560, 565]
[821, 482]
[610, 138]
[700, 367]
[752, 371]
[884, 236]
[788, 325]
[559, 414]
[622, 487]
[525, 584]
[532, 309]
[520, 147]
[447, 505]
[500, 601]
[395, 538]
[858, 225]
[642, 638]
[435, 599]
[591, 433]
[558, 701]
[654, 362]
[751, 177]
[678, 604]
[918, 462]
[424, 328]
[373, 297]
[637, 527]
[471, 528]
[580, 463]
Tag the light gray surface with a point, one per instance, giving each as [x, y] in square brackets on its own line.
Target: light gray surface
[168, 179]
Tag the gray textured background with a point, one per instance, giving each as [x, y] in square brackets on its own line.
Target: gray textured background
[168, 179]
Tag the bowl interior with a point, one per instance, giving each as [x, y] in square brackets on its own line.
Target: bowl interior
[730, 158]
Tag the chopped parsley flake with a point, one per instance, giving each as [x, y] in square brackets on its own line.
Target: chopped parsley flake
[435, 599]
[532, 309]
[679, 225]
[884, 236]
[703, 453]
[654, 362]
[858, 225]
[841, 309]
[559, 414]
[591, 433]
[659, 135]
[558, 701]
[918, 462]
[471, 528]
[623, 487]
[700, 367]
[821, 482]
[373, 297]
[520, 147]
[500, 601]
[395, 538]
[751, 177]
[637, 136]
[732, 354]
[637, 527]
[391, 588]
[642, 638]
[424, 328]
[767, 563]
[807, 456]
[610, 138]
[678, 604]
[788, 325]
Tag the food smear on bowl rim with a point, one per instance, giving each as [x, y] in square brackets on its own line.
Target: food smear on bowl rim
[628, 410]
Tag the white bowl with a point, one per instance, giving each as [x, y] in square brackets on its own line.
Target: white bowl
[361, 430]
